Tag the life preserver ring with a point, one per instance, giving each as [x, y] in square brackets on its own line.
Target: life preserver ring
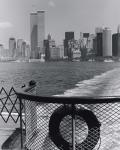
[92, 122]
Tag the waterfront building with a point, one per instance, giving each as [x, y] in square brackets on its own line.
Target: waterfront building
[95, 46]
[47, 50]
[118, 29]
[76, 54]
[116, 44]
[54, 53]
[90, 42]
[99, 44]
[33, 34]
[98, 30]
[12, 47]
[5, 54]
[107, 42]
[27, 51]
[84, 39]
[61, 47]
[98, 41]
[65, 47]
[74, 46]
[19, 48]
[23, 49]
[49, 37]
[51, 51]
[68, 36]
[1, 50]
[37, 33]
[86, 35]
[41, 30]
[52, 43]
[81, 35]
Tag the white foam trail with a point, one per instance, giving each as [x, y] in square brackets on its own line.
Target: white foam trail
[106, 84]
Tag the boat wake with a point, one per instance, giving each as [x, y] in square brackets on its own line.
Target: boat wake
[106, 84]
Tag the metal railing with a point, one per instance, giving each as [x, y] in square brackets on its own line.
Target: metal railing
[66, 123]
[12, 117]
[72, 123]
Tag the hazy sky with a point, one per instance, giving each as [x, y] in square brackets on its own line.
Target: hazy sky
[61, 16]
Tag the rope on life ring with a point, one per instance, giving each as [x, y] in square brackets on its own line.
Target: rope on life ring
[92, 122]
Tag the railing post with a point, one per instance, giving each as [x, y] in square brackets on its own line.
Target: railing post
[30, 115]
[21, 127]
[73, 126]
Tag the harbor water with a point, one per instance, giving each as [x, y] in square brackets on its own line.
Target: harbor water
[62, 78]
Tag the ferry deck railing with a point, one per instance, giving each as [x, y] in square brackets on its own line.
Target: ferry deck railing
[69, 123]
[72, 123]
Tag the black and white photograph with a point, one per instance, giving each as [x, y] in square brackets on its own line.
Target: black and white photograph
[59, 74]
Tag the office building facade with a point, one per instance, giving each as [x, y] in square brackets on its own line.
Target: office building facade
[68, 37]
[61, 47]
[118, 29]
[107, 42]
[19, 48]
[99, 44]
[47, 50]
[37, 33]
[1, 50]
[116, 44]
[54, 53]
[12, 47]
[23, 49]
[27, 51]
[98, 30]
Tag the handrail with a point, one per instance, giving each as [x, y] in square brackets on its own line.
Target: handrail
[69, 100]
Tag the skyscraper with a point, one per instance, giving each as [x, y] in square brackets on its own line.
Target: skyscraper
[118, 29]
[12, 46]
[116, 44]
[23, 48]
[68, 36]
[47, 50]
[27, 51]
[99, 44]
[41, 30]
[98, 30]
[1, 50]
[19, 47]
[37, 33]
[107, 42]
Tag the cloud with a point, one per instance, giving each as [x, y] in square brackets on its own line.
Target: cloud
[4, 25]
[51, 4]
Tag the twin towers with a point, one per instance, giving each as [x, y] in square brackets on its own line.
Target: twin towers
[37, 33]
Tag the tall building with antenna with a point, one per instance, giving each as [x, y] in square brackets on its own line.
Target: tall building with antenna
[37, 33]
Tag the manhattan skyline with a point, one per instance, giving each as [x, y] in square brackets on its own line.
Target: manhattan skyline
[61, 16]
